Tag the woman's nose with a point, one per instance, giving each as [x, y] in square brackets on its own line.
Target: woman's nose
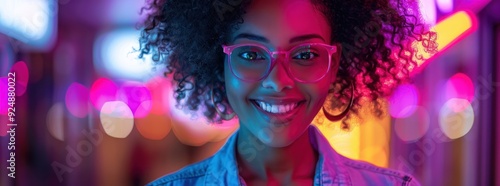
[278, 79]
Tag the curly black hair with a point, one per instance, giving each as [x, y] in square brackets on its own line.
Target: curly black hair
[377, 38]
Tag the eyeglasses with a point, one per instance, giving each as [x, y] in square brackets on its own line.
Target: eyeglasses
[306, 63]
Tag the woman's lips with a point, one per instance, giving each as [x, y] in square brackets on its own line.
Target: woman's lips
[277, 108]
[278, 112]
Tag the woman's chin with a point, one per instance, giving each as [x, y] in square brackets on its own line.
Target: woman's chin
[280, 137]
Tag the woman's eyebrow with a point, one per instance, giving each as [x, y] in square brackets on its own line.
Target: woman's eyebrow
[251, 37]
[306, 37]
[265, 40]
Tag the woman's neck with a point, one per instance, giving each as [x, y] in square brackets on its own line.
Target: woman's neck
[262, 163]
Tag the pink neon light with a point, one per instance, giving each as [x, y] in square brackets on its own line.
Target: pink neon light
[4, 96]
[77, 97]
[22, 75]
[460, 86]
[134, 94]
[103, 90]
[159, 87]
[403, 101]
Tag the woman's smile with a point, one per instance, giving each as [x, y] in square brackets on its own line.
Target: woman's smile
[278, 111]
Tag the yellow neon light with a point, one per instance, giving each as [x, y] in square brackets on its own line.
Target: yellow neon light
[452, 28]
[449, 30]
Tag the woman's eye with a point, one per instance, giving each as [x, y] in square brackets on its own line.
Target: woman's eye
[305, 55]
[251, 56]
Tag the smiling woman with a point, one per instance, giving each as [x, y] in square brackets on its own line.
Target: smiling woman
[273, 64]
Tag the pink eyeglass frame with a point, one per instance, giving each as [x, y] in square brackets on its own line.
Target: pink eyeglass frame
[330, 48]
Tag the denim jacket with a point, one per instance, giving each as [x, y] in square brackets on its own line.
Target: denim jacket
[331, 169]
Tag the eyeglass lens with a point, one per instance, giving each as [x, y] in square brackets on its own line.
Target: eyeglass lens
[305, 63]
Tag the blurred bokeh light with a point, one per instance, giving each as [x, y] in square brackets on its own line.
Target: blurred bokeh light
[414, 126]
[102, 91]
[456, 118]
[55, 121]
[4, 95]
[154, 126]
[159, 87]
[460, 86]
[136, 96]
[117, 119]
[115, 56]
[77, 98]
[31, 21]
[21, 77]
[403, 101]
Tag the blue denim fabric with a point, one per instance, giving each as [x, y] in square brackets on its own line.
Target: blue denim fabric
[331, 169]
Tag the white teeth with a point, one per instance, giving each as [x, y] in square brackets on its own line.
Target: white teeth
[282, 109]
[277, 109]
[262, 104]
[274, 109]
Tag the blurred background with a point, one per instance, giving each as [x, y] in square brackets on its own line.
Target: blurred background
[88, 112]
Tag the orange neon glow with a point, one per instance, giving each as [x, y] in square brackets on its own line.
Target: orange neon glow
[368, 141]
[449, 31]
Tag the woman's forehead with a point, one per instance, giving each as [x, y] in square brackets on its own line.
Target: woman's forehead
[281, 20]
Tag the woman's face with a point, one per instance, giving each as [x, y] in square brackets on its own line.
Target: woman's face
[279, 25]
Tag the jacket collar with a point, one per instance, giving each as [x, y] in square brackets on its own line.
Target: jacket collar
[330, 168]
